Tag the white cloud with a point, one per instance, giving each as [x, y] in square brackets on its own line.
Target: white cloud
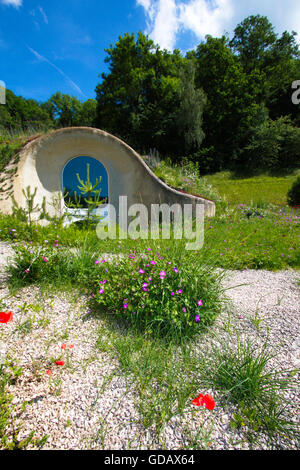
[144, 3]
[41, 58]
[167, 19]
[13, 3]
[166, 23]
[198, 16]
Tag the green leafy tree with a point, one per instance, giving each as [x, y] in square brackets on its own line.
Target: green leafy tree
[275, 58]
[293, 196]
[190, 111]
[21, 113]
[253, 40]
[87, 114]
[138, 98]
[64, 108]
[273, 145]
[231, 100]
[31, 208]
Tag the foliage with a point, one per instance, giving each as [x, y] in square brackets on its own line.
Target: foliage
[190, 111]
[244, 376]
[231, 100]
[294, 193]
[253, 39]
[272, 146]
[144, 98]
[185, 176]
[9, 429]
[91, 194]
[30, 209]
[21, 113]
[67, 111]
[275, 58]
[160, 294]
[61, 110]
[218, 106]
[51, 263]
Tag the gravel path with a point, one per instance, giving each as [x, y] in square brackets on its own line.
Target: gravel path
[88, 404]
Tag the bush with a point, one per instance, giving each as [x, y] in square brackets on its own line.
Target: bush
[186, 177]
[52, 263]
[272, 146]
[165, 296]
[293, 196]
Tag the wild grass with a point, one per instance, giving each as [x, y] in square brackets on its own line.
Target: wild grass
[246, 378]
[156, 347]
[167, 376]
[163, 375]
[185, 177]
[253, 190]
[10, 426]
[12, 142]
[155, 288]
[238, 238]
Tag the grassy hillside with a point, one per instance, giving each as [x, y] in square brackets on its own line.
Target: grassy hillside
[253, 190]
[10, 144]
[225, 186]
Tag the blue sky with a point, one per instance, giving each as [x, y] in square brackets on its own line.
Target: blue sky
[51, 45]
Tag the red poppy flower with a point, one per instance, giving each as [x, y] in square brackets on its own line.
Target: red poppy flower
[71, 346]
[63, 346]
[49, 372]
[205, 400]
[59, 363]
[6, 317]
[198, 401]
[209, 402]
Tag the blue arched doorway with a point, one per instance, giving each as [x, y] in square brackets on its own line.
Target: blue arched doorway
[74, 206]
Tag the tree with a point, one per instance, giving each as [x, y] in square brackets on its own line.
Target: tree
[253, 39]
[64, 108]
[273, 145]
[138, 98]
[91, 194]
[190, 111]
[275, 58]
[23, 113]
[231, 100]
[87, 114]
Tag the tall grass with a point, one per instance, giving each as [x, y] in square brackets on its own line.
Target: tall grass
[246, 377]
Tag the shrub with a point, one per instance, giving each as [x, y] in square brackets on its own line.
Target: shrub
[31, 264]
[272, 146]
[162, 295]
[186, 177]
[294, 194]
[52, 264]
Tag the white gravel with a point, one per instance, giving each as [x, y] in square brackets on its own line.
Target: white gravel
[90, 405]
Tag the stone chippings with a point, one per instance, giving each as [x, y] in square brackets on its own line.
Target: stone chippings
[95, 406]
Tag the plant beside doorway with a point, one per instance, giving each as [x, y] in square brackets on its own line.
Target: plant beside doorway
[89, 197]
